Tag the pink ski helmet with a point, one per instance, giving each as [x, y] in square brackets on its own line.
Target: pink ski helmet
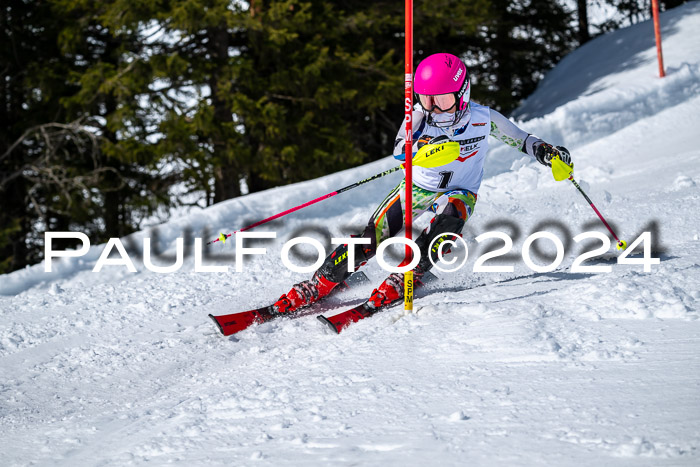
[440, 75]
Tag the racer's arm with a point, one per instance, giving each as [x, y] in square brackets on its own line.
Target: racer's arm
[508, 132]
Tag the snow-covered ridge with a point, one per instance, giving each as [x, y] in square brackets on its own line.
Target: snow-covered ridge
[518, 369]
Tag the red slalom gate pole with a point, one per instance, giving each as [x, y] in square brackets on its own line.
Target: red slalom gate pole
[408, 98]
[657, 35]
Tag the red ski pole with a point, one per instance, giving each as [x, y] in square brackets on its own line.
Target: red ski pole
[561, 171]
[430, 155]
[621, 244]
[222, 237]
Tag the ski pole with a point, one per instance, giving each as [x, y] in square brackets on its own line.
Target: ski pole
[561, 171]
[430, 155]
[223, 236]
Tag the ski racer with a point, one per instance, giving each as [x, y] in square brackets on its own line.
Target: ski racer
[449, 192]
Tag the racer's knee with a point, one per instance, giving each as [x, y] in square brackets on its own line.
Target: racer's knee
[443, 227]
[335, 267]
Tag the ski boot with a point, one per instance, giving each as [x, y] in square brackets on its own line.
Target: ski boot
[390, 291]
[304, 294]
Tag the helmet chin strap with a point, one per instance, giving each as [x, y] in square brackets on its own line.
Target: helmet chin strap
[443, 117]
[446, 120]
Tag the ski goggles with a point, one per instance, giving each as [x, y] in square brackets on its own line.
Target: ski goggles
[441, 102]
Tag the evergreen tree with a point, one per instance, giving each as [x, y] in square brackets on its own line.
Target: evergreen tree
[110, 74]
[283, 91]
[31, 72]
[635, 11]
[111, 108]
[521, 42]
[74, 153]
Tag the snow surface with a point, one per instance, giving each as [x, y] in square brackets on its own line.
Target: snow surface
[517, 369]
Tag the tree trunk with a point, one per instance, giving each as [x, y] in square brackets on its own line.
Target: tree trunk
[111, 215]
[114, 221]
[112, 198]
[256, 183]
[583, 35]
[17, 203]
[502, 50]
[227, 173]
[226, 183]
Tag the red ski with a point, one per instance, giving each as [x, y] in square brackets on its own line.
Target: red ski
[236, 322]
[342, 320]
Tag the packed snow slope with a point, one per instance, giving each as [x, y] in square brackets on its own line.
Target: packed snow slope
[517, 369]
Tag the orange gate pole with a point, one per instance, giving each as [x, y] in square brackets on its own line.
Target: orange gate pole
[657, 34]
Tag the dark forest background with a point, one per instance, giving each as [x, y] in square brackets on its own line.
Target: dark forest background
[115, 112]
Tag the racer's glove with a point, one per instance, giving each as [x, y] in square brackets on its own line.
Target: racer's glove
[422, 141]
[546, 151]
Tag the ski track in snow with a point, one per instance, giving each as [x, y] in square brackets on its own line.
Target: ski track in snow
[513, 369]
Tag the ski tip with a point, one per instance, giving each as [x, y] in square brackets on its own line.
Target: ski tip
[327, 322]
[218, 325]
